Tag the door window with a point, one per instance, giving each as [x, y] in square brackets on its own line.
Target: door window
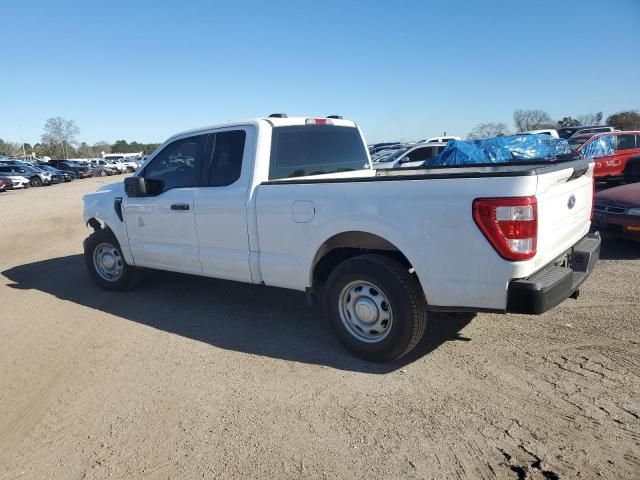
[226, 158]
[177, 165]
[625, 142]
[421, 154]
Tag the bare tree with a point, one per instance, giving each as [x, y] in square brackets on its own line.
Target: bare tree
[9, 148]
[61, 133]
[590, 118]
[490, 129]
[100, 147]
[532, 120]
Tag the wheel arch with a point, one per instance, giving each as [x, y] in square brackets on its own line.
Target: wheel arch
[344, 245]
[98, 221]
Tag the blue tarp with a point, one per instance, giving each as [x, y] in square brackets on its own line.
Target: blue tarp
[512, 148]
[600, 147]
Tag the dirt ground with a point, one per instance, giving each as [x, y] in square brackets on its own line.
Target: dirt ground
[188, 377]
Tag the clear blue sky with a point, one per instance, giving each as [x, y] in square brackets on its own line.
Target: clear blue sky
[143, 70]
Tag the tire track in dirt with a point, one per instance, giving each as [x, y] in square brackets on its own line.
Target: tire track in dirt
[51, 384]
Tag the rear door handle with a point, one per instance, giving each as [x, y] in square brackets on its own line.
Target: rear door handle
[180, 206]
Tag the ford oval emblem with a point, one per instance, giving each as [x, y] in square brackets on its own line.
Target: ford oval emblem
[572, 201]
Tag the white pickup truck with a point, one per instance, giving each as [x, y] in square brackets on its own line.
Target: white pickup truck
[294, 203]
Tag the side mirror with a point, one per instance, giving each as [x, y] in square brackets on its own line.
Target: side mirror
[135, 187]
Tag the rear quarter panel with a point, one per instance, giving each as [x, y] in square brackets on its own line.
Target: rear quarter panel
[429, 221]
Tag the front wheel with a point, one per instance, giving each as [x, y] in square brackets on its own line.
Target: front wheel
[105, 263]
[36, 182]
[376, 307]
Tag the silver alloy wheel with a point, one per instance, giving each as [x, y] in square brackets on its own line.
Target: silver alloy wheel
[365, 311]
[108, 262]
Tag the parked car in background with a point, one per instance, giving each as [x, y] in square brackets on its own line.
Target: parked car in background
[107, 166]
[390, 152]
[378, 147]
[55, 176]
[411, 156]
[14, 162]
[545, 131]
[81, 171]
[127, 161]
[67, 176]
[444, 139]
[36, 178]
[568, 132]
[5, 184]
[18, 181]
[617, 211]
[620, 161]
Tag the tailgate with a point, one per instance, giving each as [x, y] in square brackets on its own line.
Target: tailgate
[564, 209]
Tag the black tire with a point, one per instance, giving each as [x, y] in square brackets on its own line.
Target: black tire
[128, 275]
[405, 299]
[35, 181]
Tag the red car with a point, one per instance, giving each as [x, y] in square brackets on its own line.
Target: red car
[617, 211]
[5, 184]
[623, 163]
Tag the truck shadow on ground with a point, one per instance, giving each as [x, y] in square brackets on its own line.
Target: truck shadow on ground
[265, 321]
[614, 248]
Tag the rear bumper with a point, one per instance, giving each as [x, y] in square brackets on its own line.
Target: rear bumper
[554, 283]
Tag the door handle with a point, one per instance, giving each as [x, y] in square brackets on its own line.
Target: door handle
[180, 206]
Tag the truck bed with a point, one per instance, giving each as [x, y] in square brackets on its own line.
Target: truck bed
[519, 169]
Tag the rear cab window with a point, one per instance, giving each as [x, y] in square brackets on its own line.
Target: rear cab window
[298, 151]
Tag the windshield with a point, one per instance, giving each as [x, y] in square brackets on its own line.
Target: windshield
[576, 143]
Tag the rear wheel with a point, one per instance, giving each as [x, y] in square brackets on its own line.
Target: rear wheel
[105, 263]
[376, 307]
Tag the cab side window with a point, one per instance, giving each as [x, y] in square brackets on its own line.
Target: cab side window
[177, 165]
[226, 158]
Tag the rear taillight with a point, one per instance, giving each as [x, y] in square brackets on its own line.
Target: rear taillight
[510, 225]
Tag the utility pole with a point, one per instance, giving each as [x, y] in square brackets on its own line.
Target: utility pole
[24, 154]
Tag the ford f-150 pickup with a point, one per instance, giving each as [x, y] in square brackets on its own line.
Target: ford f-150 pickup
[294, 203]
